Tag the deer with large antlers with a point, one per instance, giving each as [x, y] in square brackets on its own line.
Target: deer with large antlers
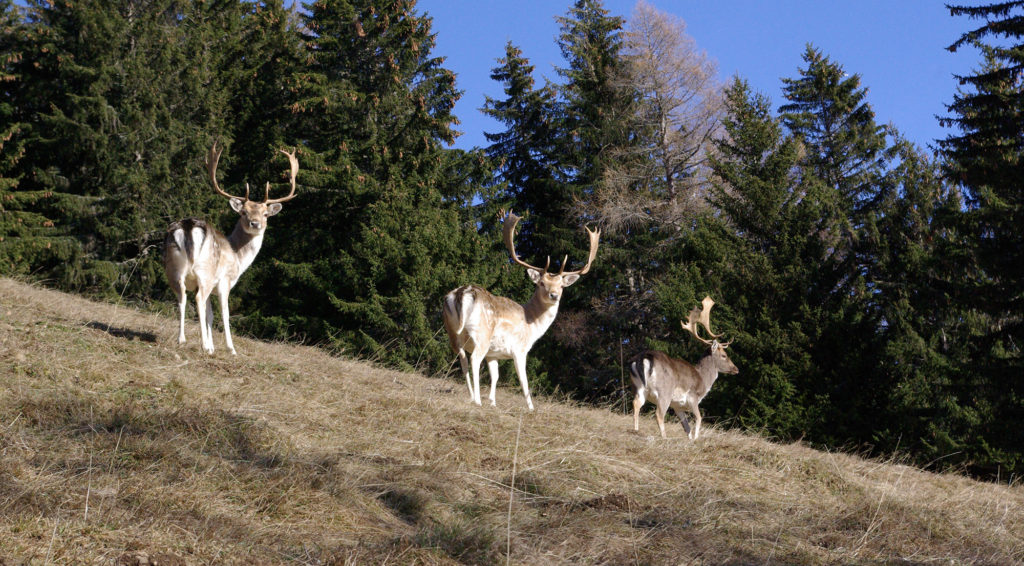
[495, 328]
[199, 258]
[677, 384]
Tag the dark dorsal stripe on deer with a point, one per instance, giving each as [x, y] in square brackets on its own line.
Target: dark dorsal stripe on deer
[495, 328]
[199, 258]
[677, 384]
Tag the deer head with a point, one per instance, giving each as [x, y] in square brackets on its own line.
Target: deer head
[254, 213]
[701, 316]
[549, 285]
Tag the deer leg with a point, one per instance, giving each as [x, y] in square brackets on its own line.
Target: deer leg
[475, 360]
[663, 406]
[696, 421]
[222, 293]
[638, 403]
[205, 310]
[492, 368]
[682, 419]
[179, 291]
[209, 323]
[464, 364]
[520, 363]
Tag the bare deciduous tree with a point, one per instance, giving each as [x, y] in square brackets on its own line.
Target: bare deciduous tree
[674, 116]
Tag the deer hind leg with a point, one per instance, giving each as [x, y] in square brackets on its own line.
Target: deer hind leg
[639, 397]
[696, 421]
[520, 363]
[492, 368]
[178, 286]
[222, 294]
[637, 376]
[464, 364]
[205, 310]
[475, 360]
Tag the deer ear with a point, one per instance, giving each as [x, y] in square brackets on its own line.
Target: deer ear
[237, 204]
[274, 209]
[534, 274]
[570, 279]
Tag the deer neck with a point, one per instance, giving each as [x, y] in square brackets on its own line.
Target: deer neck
[708, 373]
[245, 245]
[539, 315]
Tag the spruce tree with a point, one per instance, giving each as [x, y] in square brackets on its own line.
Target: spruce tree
[754, 256]
[984, 158]
[381, 233]
[35, 224]
[523, 153]
[125, 100]
[849, 156]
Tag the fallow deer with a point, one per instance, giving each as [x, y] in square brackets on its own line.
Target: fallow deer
[495, 328]
[199, 258]
[677, 384]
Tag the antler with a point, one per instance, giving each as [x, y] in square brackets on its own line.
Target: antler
[295, 171]
[211, 166]
[702, 315]
[213, 157]
[595, 235]
[507, 232]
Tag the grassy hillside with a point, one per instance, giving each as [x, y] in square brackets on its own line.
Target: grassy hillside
[119, 447]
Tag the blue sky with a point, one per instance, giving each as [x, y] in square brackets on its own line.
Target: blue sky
[897, 47]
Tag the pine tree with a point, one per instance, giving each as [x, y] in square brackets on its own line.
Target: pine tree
[984, 158]
[34, 237]
[381, 233]
[523, 153]
[125, 99]
[755, 257]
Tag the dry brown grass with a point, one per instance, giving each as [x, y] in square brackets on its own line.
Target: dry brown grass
[119, 447]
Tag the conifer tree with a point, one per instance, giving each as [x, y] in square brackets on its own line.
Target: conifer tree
[849, 154]
[381, 233]
[754, 258]
[524, 152]
[35, 233]
[125, 99]
[984, 158]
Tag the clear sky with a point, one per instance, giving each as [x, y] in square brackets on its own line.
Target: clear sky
[896, 46]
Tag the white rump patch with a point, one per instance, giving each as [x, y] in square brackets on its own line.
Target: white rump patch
[198, 239]
[179, 239]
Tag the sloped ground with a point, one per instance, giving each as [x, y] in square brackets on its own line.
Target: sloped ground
[119, 447]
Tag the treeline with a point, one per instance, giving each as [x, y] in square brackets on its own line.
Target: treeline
[873, 291]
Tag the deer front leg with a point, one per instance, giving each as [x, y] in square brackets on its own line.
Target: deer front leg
[222, 292]
[209, 325]
[492, 368]
[520, 363]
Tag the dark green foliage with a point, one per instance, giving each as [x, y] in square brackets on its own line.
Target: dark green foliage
[124, 99]
[984, 158]
[363, 257]
[524, 154]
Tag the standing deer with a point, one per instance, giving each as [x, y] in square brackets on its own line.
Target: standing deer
[199, 258]
[668, 382]
[495, 328]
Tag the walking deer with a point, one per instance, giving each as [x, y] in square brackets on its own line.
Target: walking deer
[199, 258]
[495, 328]
[676, 384]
